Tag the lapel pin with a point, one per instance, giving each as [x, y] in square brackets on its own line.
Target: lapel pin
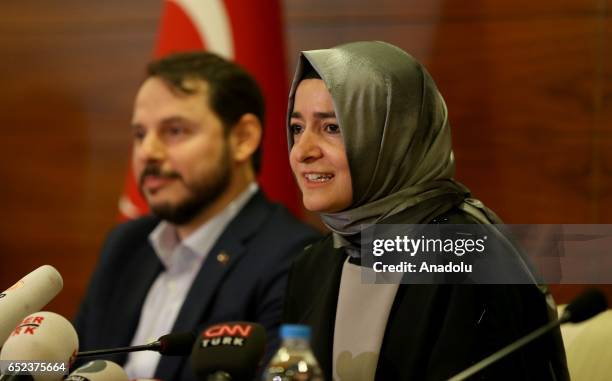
[223, 258]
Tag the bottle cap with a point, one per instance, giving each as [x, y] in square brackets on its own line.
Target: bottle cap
[295, 331]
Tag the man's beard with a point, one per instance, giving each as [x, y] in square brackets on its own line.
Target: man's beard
[203, 192]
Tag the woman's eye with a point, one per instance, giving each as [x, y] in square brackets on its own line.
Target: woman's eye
[175, 131]
[295, 129]
[332, 128]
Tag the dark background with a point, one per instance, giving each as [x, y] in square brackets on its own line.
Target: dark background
[527, 85]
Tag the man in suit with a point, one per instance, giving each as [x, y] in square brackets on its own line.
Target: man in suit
[215, 249]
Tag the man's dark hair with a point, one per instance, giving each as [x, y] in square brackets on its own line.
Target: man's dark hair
[232, 91]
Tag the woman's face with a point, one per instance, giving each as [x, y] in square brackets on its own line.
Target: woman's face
[318, 158]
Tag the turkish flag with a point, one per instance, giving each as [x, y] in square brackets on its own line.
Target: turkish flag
[250, 33]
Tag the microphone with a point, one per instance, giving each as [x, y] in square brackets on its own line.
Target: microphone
[30, 294]
[172, 344]
[42, 337]
[228, 351]
[98, 370]
[584, 307]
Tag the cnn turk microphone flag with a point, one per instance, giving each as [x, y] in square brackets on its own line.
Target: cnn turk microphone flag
[251, 34]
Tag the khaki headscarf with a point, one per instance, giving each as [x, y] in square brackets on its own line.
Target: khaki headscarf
[396, 133]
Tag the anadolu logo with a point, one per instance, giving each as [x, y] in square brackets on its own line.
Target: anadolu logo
[226, 334]
[28, 326]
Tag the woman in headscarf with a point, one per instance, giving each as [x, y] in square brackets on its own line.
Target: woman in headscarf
[369, 144]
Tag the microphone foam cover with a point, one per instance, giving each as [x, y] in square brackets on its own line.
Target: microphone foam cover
[176, 344]
[585, 306]
[42, 336]
[98, 370]
[30, 294]
[234, 347]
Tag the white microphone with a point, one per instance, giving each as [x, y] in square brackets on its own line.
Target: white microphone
[98, 370]
[46, 338]
[30, 294]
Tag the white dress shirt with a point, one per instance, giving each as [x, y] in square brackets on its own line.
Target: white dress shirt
[182, 262]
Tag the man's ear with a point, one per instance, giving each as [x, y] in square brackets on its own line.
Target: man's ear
[245, 136]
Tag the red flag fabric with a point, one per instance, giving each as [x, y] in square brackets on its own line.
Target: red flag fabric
[250, 33]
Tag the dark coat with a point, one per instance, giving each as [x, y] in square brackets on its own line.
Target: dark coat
[261, 242]
[433, 331]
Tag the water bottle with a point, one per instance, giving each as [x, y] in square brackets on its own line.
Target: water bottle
[294, 360]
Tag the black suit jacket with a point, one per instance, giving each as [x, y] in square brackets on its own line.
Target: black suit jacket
[433, 331]
[260, 241]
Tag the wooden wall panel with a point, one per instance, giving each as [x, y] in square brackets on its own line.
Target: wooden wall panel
[601, 180]
[603, 120]
[530, 101]
[417, 11]
[69, 73]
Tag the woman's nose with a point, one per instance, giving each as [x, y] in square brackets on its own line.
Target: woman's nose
[307, 147]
